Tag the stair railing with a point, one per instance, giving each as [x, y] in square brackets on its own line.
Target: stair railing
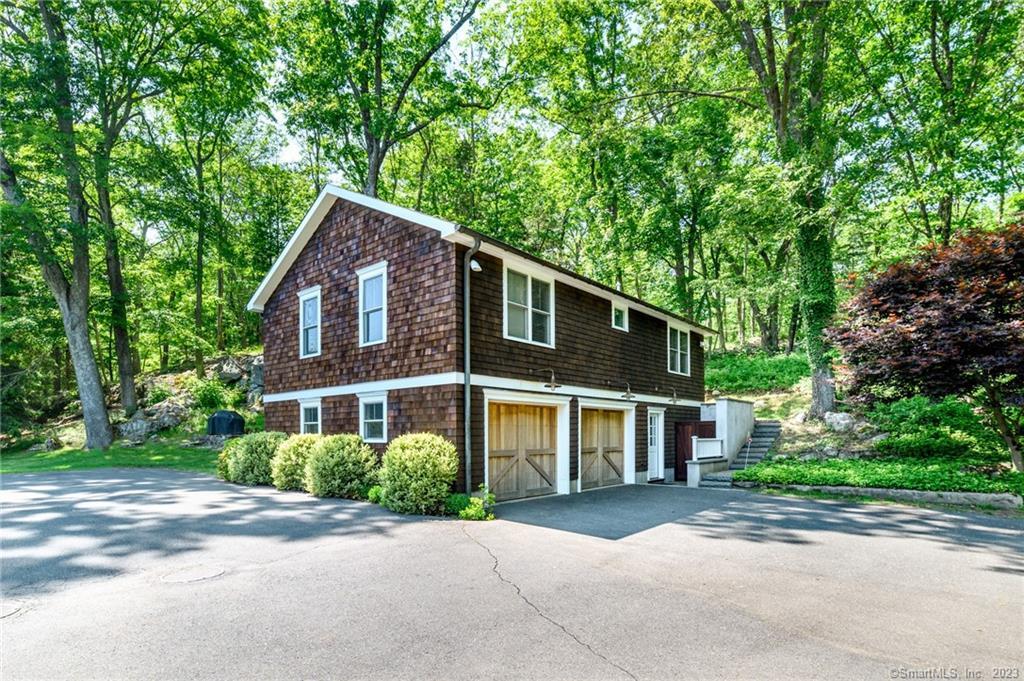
[746, 458]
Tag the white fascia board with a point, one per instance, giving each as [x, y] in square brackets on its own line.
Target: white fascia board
[312, 220]
[559, 395]
[529, 266]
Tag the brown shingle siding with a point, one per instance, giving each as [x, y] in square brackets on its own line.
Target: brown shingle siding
[422, 315]
[588, 351]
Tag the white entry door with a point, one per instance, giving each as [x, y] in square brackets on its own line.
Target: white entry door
[655, 444]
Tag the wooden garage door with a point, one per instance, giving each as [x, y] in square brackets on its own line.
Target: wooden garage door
[521, 455]
[602, 456]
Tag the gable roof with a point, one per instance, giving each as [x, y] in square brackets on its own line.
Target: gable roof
[311, 221]
[451, 232]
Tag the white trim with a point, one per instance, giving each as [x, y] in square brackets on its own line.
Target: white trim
[685, 332]
[576, 391]
[455, 377]
[530, 274]
[562, 454]
[625, 316]
[309, 404]
[311, 221]
[628, 435]
[518, 262]
[659, 445]
[378, 397]
[369, 272]
[304, 295]
[424, 381]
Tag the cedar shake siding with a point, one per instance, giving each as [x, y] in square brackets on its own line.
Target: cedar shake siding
[422, 314]
[424, 336]
[588, 352]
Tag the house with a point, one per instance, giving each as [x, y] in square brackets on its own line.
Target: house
[568, 384]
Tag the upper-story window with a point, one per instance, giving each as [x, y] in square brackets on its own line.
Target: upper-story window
[529, 308]
[309, 322]
[620, 317]
[678, 350]
[373, 304]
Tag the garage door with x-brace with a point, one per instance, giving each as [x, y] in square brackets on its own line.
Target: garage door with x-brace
[521, 451]
[602, 454]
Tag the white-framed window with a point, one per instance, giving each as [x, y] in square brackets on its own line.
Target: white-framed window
[309, 322]
[678, 350]
[373, 304]
[373, 417]
[620, 317]
[529, 308]
[309, 417]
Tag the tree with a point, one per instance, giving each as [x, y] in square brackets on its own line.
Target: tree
[940, 79]
[950, 322]
[790, 68]
[41, 55]
[372, 72]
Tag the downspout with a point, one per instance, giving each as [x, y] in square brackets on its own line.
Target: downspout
[467, 431]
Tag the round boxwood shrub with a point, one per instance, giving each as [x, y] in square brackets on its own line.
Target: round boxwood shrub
[225, 454]
[418, 471]
[341, 466]
[248, 462]
[288, 467]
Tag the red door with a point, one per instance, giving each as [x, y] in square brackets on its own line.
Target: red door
[685, 430]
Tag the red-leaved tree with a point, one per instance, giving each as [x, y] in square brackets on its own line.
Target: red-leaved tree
[950, 322]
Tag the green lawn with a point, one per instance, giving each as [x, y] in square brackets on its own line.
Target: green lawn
[919, 473]
[150, 455]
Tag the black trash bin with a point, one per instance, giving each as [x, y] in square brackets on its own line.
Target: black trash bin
[225, 422]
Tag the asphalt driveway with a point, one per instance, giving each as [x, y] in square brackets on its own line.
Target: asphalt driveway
[160, 574]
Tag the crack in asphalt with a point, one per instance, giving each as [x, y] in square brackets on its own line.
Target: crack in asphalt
[541, 613]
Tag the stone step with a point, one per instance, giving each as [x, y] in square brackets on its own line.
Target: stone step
[720, 484]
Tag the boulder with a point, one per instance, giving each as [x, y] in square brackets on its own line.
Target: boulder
[160, 416]
[256, 373]
[52, 444]
[839, 422]
[229, 371]
[254, 399]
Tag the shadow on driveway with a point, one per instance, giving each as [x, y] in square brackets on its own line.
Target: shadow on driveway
[85, 524]
[619, 512]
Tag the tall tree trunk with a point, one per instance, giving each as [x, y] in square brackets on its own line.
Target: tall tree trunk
[72, 296]
[818, 305]
[198, 359]
[794, 326]
[118, 291]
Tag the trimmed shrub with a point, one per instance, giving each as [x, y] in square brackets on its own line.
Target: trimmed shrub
[288, 467]
[225, 454]
[418, 471]
[373, 494]
[248, 463]
[340, 466]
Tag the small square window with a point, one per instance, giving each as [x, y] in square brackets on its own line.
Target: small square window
[620, 317]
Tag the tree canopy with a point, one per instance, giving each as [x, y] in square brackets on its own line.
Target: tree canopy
[729, 160]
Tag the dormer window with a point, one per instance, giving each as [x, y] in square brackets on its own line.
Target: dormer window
[309, 322]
